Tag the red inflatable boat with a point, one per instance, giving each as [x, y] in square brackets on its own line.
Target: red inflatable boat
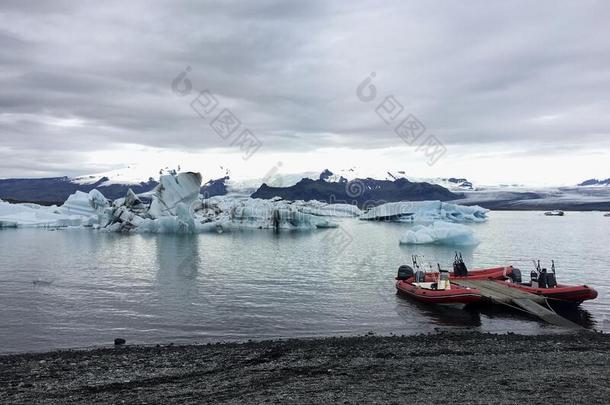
[544, 282]
[437, 288]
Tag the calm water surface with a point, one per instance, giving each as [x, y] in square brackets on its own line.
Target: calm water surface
[260, 284]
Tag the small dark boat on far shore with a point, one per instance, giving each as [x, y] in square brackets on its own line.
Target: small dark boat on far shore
[555, 213]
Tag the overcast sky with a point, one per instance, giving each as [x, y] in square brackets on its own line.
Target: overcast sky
[515, 91]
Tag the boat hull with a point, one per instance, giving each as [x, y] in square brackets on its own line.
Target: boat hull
[574, 294]
[494, 273]
[456, 295]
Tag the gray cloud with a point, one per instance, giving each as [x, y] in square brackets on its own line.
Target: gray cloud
[531, 75]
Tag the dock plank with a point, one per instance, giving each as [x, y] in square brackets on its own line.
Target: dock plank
[530, 303]
[545, 314]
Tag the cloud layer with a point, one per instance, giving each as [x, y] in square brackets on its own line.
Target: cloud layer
[78, 77]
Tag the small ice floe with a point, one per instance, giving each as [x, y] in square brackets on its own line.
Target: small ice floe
[440, 233]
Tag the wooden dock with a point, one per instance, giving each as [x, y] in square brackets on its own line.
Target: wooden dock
[533, 304]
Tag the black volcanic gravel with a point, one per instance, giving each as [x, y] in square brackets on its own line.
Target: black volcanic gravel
[446, 368]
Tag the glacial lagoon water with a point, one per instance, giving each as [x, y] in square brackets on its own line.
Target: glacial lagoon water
[80, 288]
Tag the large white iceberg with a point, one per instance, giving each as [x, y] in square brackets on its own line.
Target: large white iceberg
[440, 233]
[171, 210]
[324, 209]
[85, 204]
[81, 209]
[425, 211]
[227, 213]
[172, 191]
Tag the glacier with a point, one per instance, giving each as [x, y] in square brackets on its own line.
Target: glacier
[425, 211]
[440, 233]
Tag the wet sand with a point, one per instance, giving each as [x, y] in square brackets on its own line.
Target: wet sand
[443, 368]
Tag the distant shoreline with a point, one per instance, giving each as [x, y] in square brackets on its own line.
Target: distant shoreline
[546, 208]
[469, 367]
[491, 205]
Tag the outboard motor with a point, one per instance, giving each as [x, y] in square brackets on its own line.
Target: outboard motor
[534, 277]
[405, 272]
[459, 267]
[515, 275]
[542, 279]
[551, 279]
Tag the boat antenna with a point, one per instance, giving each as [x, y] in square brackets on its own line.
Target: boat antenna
[537, 265]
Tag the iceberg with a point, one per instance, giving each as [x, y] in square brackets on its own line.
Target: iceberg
[36, 216]
[169, 212]
[177, 207]
[85, 204]
[425, 211]
[440, 233]
[173, 190]
[182, 222]
[324, 209]
[228, 213]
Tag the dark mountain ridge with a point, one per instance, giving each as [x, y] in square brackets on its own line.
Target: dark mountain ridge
[361, 192]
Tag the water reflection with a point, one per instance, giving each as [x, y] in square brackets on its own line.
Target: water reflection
[445, 315]
[578, 315]
[178, 265]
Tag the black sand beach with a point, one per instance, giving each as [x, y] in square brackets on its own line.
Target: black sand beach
[442, 368]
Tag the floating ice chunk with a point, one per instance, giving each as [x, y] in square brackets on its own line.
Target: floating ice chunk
[323, 209]
[228, 213]
[440, 233]
[132, 200]
[425, 211]
[172, 190]
[85, 204]
[32, 215]
[182, 222]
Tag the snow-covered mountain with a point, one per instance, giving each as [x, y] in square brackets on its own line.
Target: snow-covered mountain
[594, 183]
[589, 195]
[113, 184]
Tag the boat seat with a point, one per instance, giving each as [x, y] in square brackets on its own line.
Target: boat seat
[427, 286]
